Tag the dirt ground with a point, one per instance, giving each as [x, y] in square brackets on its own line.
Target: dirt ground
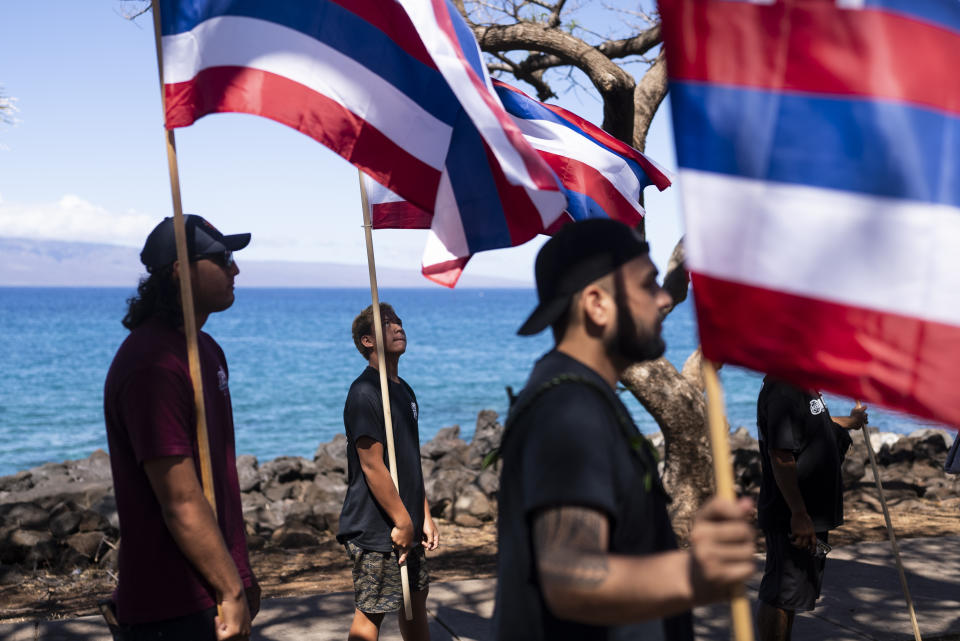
[465, 553]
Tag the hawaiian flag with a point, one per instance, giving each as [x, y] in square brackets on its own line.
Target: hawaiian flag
[398, 88]
[600, 175]
[819, 151]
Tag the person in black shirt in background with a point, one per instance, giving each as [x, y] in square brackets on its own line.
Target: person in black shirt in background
[380, 526]
[801, 497]
[586, 549]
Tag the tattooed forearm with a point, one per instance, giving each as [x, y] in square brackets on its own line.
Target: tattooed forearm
[571, 546]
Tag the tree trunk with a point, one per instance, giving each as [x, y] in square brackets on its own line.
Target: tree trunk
[680, 409]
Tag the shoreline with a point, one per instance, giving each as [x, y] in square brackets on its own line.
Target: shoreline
[58, 524]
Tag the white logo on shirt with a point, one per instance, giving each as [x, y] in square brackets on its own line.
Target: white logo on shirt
[221, 379]
[816, 406]
[413, 408]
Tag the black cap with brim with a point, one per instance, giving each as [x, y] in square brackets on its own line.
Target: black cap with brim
[160, 248]
[578, 254]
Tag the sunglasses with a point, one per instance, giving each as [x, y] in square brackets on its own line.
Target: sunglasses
[224, 259]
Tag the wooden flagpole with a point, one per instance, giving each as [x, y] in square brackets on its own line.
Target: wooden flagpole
[893, 538]
[384, 391]
[723, 474]
[186, 291]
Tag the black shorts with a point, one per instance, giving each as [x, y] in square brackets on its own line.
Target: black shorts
[792, 576]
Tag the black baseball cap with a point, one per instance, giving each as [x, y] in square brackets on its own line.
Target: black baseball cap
[578, 254]
[160, 249]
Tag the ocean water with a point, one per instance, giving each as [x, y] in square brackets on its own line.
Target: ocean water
[292, 360]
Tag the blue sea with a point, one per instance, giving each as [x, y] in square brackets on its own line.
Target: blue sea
[292, 360]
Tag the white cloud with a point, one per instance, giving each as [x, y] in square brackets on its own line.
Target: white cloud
[74, 219]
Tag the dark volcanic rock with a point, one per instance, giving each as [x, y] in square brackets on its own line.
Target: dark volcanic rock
[95, 467]
[248, 473]
[19, 482]
[740, 439]
[65, 523]
[853, 470]
[87, 544]
[486, 437]
[25, 515]
[331, 458]
[288, 468]
[91, 521]
[30, 546]
[472, 507]
[295, 536]
[446, 441]
[748, 471]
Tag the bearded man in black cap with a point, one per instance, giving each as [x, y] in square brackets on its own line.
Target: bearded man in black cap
[586, 549]
[178, 559]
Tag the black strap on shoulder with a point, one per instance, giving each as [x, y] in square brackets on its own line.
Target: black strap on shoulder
[638, 443]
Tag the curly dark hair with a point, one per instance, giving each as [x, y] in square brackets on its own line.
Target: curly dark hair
[363, 325]
[158, 296]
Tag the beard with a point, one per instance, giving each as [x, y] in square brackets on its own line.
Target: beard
[630, 343]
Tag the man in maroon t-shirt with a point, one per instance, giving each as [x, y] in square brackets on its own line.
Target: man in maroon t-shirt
[178, 560]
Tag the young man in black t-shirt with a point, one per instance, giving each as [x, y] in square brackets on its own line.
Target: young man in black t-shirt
[801, 498]
[377, 519]
[586, 550]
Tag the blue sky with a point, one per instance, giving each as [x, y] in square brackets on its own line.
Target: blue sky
[86, 161]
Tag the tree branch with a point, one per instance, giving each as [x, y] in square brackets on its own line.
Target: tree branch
[648, 95]
[677, 280]
[613, 49]
[615, 85]
[554, 20]
[534, 78]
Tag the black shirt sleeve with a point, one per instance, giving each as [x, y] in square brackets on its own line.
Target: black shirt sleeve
[363, 414]
[567, 454]
[783, 419]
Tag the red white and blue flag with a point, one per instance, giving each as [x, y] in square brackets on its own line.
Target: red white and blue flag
[601, 176]
[397, 87]
[819, 151]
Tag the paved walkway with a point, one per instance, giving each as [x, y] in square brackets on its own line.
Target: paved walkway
[861, 600]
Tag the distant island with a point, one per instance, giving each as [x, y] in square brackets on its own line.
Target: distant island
[26, 262]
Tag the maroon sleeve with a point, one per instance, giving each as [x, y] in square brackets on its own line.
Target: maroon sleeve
[156, 406]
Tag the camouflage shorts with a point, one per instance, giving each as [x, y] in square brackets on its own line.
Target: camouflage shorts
[376, 577]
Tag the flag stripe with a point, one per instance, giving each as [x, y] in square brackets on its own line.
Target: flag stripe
[224, 89]
[944, 14]
[522, 106]
[526, 222]
[343, 70]
[590, 193]
[819, 141]
[322, 20]
[549, 138]
[820, 50]
[876, 253]
[399, 215]
[480, 208]
[898, 361]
